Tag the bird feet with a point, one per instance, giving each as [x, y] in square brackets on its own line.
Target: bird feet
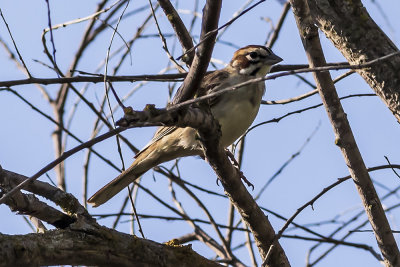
[237, 167]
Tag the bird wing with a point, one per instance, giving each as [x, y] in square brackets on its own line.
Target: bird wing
[209, 83]
[160, 133]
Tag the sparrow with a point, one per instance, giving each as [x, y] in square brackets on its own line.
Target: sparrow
[234, 110]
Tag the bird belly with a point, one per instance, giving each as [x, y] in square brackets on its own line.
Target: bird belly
[235, 117]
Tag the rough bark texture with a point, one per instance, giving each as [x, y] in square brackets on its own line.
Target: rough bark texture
[252, 215]
[83, 241]
[100, 247]
[344, 136]
[348, 25]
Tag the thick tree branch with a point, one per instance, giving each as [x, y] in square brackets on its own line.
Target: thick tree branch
[66, 201]
[256, 220]
[344, 136]
[251, 213]
[28, 204]
[75, 245]
[98, 246]
[351, 29]
[198, 69]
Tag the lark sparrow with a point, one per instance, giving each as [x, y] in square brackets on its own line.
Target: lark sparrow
[235, 112]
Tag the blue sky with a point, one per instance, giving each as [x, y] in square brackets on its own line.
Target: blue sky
[26, 144]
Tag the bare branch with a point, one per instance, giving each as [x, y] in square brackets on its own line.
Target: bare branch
[111, 247]
[164, 42]
[51, 31]
[289, 70]
[28, 204]
[66, 201]
[15, 45]
[325, 190]
[60, 159]
[271, 41]
[344, 136]
[179, 27]
[211, 12]
[360, 40]
[213, 32]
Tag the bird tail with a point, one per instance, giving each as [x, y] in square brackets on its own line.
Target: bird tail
[141, 165]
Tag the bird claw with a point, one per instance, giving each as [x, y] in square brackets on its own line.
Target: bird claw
[249, 184]
[236, 165]
[232, 158]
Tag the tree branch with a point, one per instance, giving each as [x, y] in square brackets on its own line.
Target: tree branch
[179, 27]
[95, 246]
[251, 213]
[66, 201]
[356, 35]
[344, 136]
[211, 12]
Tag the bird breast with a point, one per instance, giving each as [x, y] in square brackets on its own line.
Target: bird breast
[238, 111]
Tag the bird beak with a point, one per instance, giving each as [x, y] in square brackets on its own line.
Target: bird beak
[273, 59]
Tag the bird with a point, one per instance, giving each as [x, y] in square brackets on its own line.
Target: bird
[235, 111]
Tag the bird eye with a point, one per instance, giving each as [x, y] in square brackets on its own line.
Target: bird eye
[253, 55]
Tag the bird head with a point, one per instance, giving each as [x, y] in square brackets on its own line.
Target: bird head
[254, 60]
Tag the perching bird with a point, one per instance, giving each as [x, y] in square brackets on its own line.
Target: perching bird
[234, 110]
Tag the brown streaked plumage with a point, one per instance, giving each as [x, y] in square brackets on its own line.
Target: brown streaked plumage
[235, 112]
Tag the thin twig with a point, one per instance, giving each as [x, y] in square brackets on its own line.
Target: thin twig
[115, 94]
[326, 189]
[64, 129]
[135, 212]
[60, 159]
[277, 119]
[180, 30]
[75, 21]
[337, 242]
[15, 45]
[306, 95]
[293, 69]
[177, 180]
[166, 218]
[106, 63]
[200, 233]
[45, 94]
[164, 42]
[51, 31]
[245, 5]
[277, 30]
[388, 161]
[287, 162]
[211, 33]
